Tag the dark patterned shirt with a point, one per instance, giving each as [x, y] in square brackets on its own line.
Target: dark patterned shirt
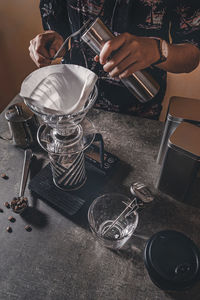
[151, 18]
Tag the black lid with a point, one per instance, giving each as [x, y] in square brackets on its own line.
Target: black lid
[172, 260]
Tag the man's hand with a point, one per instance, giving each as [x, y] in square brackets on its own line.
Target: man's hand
[131, 53]
[44, 46]
[126, 54]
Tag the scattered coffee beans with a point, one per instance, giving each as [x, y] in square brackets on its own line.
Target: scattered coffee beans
[28, 228]
[9, 229]
[6, 204]
[11, 219]
[18, 204]
[4, 176]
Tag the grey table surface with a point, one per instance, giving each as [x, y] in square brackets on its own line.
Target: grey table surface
[59, 258]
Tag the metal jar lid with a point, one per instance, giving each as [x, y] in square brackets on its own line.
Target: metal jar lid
[172, 260]
[182, 108]
[18, 112]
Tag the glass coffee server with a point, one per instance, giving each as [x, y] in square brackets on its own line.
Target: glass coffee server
[64, 135]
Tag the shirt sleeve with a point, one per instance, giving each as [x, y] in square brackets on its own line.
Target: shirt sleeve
[185, 22]
[55, 16]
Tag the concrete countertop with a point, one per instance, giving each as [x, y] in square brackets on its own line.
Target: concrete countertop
[59, 258]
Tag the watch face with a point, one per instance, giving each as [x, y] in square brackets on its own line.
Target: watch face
[164, 49]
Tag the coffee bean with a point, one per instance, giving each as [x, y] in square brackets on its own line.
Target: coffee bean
[4, 176]
[11, 219]
[6, 204]
[1, 210]
[9, 229]
[28, 228]
[19, 204]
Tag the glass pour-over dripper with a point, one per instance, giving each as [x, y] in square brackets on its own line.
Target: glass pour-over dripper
[62, 95]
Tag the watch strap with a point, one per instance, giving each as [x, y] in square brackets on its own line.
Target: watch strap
[162, 58]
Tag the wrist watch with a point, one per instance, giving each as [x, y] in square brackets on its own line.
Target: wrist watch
[163, 50]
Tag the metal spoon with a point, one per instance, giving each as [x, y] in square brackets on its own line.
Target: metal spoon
[141, 195]
[129, 209]
[19, 204]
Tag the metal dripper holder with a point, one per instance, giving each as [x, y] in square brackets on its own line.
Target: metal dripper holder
[62, 95]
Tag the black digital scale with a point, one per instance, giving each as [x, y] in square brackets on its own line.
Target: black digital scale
[100, 165]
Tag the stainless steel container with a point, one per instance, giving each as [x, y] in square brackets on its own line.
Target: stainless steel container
[140, 84]
[23, 125]
[180, 109]
[181, 163]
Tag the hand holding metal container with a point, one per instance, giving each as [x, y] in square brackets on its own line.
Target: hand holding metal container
[140, 83]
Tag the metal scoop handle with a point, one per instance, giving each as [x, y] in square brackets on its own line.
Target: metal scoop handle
[25, 170]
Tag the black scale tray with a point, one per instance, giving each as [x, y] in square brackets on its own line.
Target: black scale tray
[70, 202]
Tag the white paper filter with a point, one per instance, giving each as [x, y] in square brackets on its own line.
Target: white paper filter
[63, 88]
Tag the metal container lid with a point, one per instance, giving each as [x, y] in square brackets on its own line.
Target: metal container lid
[186, 138]
[18, 112]
[184, 108]
[172, 260]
